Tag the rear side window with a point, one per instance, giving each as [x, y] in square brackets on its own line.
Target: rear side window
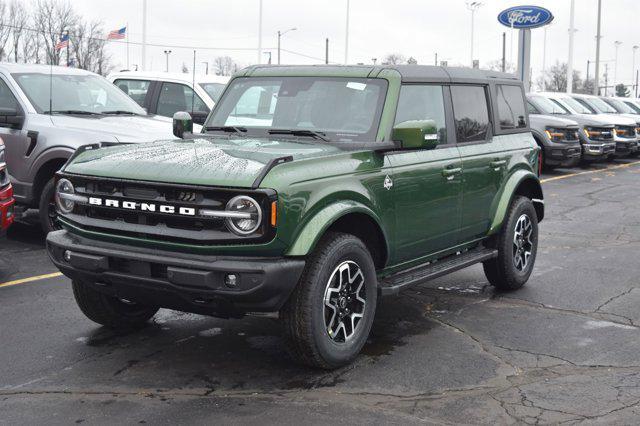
[511, 114]
[470, 112]
[531, 108]
[176, 97]
[422, 102]
[136, 89]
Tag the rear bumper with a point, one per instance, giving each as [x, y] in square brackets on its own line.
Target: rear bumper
[6, 209]
[186, 282]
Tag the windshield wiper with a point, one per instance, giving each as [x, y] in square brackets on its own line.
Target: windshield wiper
[72, 112]
[300, 132]
[120, 112]
[228, 129]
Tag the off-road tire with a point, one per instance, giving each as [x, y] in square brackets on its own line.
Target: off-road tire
[303, 317]
[501, 271]
[47, 208]
[110, 311]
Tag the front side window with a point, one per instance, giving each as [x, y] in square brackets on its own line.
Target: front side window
[176, 97]
[532, 109]
[422, 102]
[511, 114]
[8, 102]
[341, 109]
[470, 112]
[89, 94]
[136, 89]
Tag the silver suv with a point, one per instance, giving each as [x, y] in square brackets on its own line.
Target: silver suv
[47, 112]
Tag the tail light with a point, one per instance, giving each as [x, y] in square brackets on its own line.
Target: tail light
[540, 162]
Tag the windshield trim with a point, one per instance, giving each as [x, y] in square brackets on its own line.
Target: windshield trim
[263, 132]
[135, 108]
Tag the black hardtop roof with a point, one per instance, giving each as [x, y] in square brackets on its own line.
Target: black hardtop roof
[408, 73]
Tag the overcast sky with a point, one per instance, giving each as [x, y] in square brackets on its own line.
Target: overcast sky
[417, 28]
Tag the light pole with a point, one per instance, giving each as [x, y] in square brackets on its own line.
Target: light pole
[280, 34]
[572, 30]
[472, 6]
[206, 64]
[268, 53]
[633, 69]
[596, 89]
[346, 37]
[260, 31]
[167, 52]
[617, 44]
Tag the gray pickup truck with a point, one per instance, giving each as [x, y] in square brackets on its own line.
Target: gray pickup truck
[46, 113]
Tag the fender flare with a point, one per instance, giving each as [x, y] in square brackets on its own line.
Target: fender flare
[313, 230]
[54, 153]
[504, 200]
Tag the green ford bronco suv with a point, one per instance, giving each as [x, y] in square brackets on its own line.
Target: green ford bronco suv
[311, 192]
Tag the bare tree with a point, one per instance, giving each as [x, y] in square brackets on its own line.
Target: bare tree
[496, 65]
[394, 59]
[5, 29]
[51, 19]
[555, 79]
[19, 17]
[88, 47]
[224, 65]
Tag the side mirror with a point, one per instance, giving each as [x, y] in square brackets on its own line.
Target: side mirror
[11, 118]
[182, 123]
[199, 117]
[416, 134]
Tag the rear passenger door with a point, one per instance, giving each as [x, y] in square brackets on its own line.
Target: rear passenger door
[138, 90]
[483, 161]
[427, 184]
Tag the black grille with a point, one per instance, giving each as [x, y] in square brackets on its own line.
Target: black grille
[156, 225]
[571, 134]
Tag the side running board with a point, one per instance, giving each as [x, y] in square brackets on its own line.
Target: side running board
[393, 284]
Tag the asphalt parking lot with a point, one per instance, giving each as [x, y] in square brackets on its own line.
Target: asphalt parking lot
[565, 348]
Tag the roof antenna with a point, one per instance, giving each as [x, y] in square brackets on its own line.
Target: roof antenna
[51, 87]
[193, 83]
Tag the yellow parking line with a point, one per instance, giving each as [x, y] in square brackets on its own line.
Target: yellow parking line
[620, 166]
[30, 279]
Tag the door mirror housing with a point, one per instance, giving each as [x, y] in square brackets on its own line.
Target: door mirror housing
[182, 123]
[199, 117]
[416, 134]
[11, 117]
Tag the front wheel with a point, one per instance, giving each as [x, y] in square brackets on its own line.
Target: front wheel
[517, 245]
[47, 207]
[109, 310]
[328, 317]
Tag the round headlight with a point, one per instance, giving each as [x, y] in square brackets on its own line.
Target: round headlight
[245, 215]
[64, 196]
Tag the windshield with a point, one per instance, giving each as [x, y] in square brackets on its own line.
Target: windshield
[546, 106]
[214, 90]
[600, 106]
[620, 107]
[635, 107]
[89, 94]
[576, 106]
[339, 109]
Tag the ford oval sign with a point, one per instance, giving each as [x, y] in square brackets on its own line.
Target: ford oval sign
[525, 17]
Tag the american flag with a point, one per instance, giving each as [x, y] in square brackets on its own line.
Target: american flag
[117, 34]
[64, 42]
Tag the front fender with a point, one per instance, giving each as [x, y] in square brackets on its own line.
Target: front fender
[501, 203]
[308, 237]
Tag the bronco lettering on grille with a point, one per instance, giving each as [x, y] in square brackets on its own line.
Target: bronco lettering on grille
[148, 207]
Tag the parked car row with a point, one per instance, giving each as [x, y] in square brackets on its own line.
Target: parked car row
[6, 195]
[574, 127]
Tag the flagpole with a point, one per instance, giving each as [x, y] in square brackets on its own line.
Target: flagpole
[126, 33]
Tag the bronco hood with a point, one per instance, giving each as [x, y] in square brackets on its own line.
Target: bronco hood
[200, 161]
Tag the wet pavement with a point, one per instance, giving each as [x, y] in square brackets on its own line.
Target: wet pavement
[565, 348]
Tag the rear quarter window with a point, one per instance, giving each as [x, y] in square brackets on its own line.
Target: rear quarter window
[511, 107]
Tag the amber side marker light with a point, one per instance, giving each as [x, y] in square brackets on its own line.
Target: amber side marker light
[274, 213]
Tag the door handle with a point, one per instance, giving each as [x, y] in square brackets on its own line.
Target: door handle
[498, 163]
[450, 173]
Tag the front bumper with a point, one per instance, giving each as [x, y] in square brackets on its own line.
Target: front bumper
[185, 282]
[597, 150]
[562, 155]
[626, 147]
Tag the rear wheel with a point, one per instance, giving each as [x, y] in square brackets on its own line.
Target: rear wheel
[47, 207]
[328, 317]
[517, 245]
[109, 310]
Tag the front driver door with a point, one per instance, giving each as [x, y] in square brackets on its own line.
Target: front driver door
[427, 184]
